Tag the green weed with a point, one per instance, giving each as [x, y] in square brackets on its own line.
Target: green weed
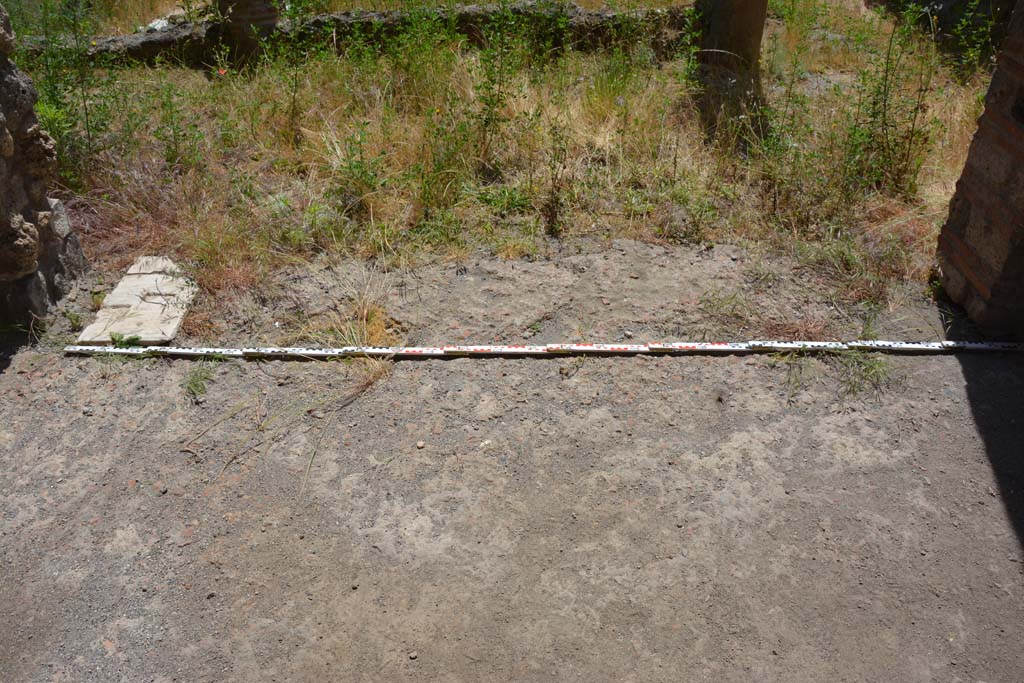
[855, 373]
[888, 134]
[441, 228]
[181, 138]
[356, 173]
[121, 341]
[197, 381]
[75, 320]
[553, 204]
[973, 35]
[799, 369]
[504, 200]
[79, 99]
[859, 372]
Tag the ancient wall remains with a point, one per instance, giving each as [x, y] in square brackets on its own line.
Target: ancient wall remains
[981, 247]
[39, 254]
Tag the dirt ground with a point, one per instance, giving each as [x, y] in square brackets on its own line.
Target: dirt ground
[608, 519]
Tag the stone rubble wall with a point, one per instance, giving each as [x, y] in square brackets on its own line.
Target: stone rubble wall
[198, 44]
[39, 254]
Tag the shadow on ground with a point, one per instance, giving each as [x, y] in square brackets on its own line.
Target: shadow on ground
[995, 390]
[10, 342]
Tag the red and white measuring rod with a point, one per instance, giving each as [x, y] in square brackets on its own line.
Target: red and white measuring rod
[546, 350]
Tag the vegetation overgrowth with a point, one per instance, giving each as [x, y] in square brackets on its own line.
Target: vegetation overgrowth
[428, 148]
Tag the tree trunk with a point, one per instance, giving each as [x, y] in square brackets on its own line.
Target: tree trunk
[731, 32]
[730, 55]
[246, 22]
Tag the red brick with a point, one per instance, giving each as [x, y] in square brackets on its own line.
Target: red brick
[981, 246]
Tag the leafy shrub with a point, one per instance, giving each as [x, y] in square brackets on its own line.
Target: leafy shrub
[887, 136]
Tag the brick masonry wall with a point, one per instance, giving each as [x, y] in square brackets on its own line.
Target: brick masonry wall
[981, 246]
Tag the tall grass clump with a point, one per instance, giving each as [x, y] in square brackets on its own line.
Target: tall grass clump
[888, 132]
[844, 142]
[851, 129]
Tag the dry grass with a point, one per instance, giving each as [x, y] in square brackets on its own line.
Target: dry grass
[429, 150]
[729, 315]
[804, 327]
[361, 321]
[385, 164]
[127, 15]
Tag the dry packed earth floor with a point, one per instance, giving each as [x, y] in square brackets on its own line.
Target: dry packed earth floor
[630, 519]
